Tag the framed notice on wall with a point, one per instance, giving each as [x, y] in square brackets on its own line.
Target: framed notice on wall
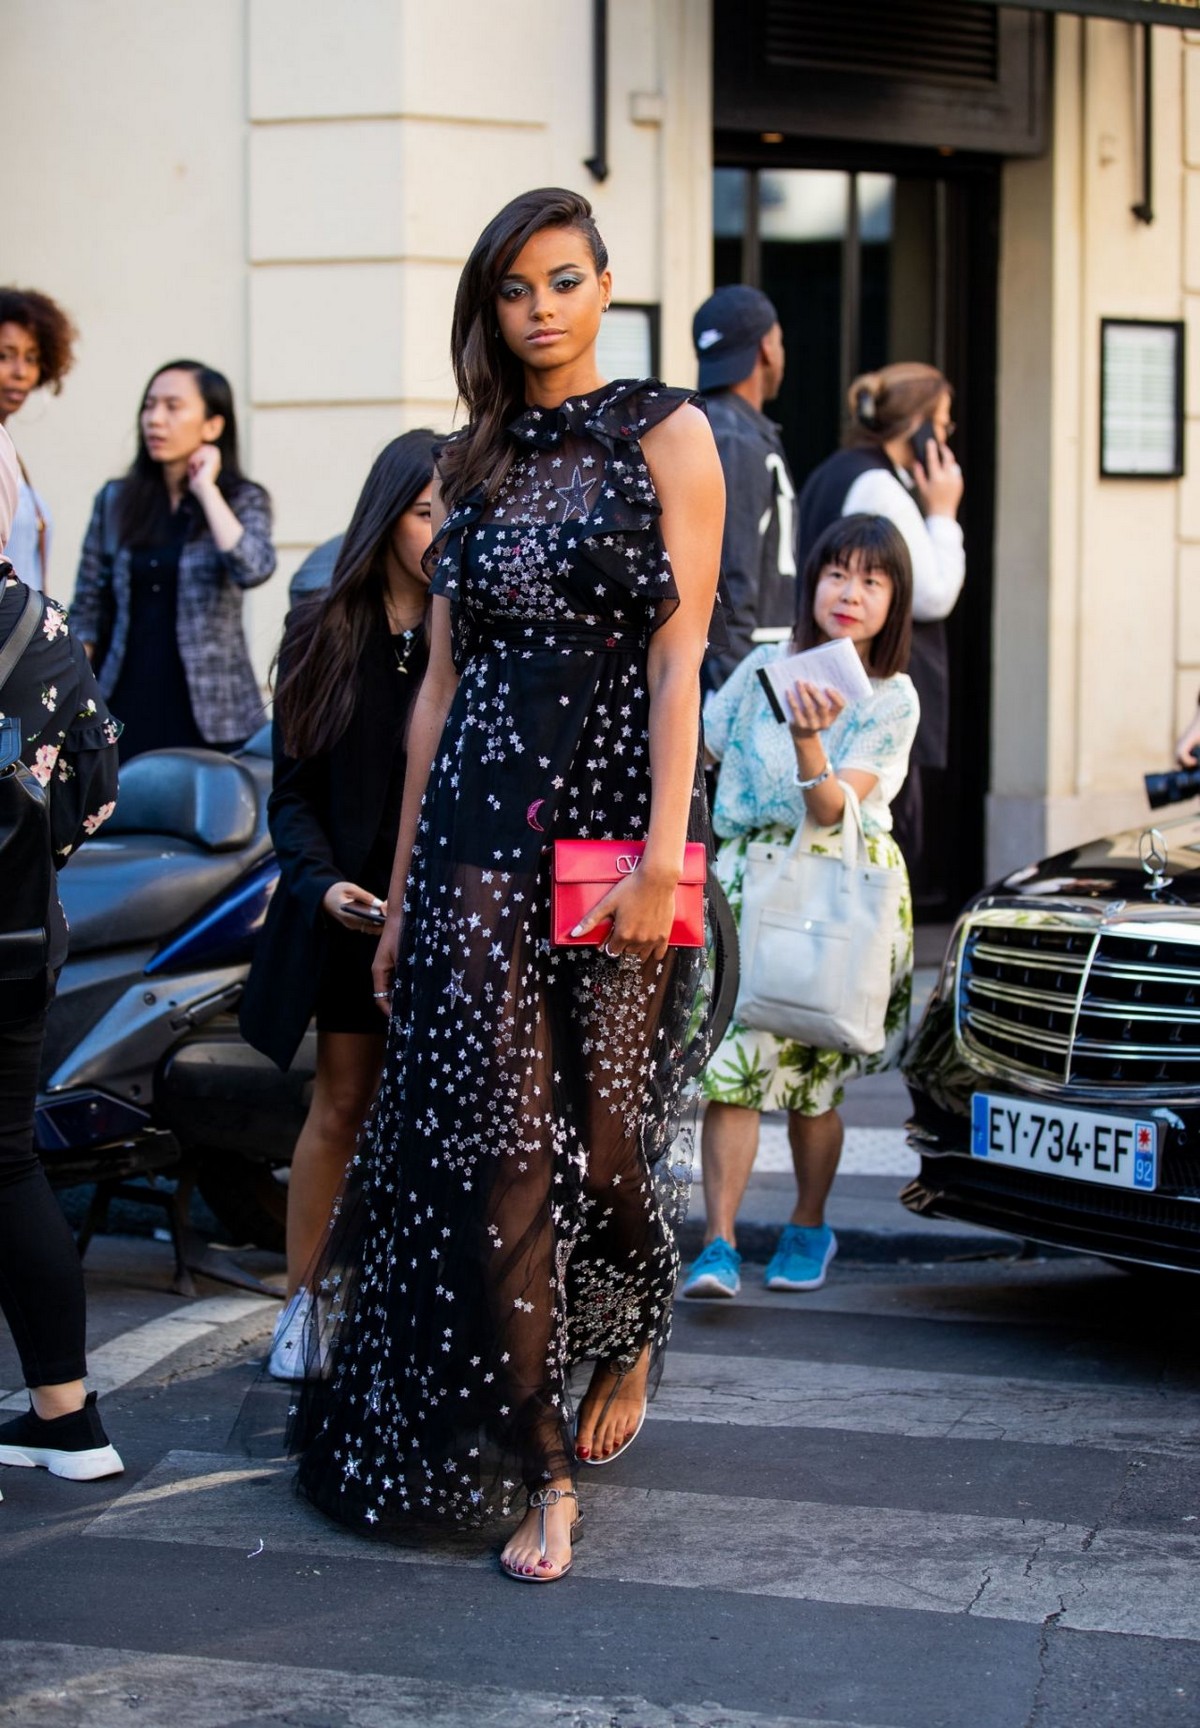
[1141, 399]
[628, 343]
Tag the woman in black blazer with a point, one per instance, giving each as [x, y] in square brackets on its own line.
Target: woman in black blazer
[351, 662]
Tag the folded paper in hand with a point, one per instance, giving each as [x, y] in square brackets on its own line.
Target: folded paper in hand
[831, 666]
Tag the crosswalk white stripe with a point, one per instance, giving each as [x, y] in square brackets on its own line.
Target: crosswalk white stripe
[777, 1392]
[135, 1352]
[108, 1688]
[1013, 1569]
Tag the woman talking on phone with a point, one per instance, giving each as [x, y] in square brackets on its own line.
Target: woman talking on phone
[169, 552]
[897, 463]
[351, 663]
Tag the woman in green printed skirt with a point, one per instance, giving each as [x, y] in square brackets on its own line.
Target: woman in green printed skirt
[856, 584]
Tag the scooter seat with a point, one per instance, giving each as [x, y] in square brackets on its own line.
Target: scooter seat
[141, 888]
[188, 823]
[200, 796]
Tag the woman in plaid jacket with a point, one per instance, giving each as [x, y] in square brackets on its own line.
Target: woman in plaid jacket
[168, 554]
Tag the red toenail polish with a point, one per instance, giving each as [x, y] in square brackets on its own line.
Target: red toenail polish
[584, 1451]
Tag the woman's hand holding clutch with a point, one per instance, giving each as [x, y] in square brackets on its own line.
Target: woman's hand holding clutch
[642, 910]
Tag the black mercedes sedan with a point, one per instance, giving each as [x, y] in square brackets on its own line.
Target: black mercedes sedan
[1055, 1076]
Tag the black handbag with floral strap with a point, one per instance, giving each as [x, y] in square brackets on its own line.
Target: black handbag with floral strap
[106, 616]
[26, 861]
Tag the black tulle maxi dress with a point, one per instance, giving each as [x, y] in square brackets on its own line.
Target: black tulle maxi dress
[503, 1218]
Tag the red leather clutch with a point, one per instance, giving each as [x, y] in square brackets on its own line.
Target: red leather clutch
[583, 871]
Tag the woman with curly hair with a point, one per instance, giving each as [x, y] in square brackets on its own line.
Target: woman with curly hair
[36, 350]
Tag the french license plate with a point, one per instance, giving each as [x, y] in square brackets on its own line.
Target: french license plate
[1085, 1145]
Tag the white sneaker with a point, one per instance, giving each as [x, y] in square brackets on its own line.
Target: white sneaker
[286, 1361]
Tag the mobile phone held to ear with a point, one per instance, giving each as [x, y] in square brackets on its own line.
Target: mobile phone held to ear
[365, 914]
[920, 442]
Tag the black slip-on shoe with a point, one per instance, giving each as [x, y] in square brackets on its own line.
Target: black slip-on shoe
[74, 1446]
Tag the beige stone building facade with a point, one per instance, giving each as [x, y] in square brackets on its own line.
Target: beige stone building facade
[288, 188]
[1096, 641]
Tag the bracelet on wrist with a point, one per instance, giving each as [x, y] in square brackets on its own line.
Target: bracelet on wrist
[817, 779]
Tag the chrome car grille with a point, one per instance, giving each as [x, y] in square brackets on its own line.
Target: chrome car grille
[1079, 1004]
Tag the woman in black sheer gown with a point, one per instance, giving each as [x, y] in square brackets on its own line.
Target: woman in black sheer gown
[501, 1221]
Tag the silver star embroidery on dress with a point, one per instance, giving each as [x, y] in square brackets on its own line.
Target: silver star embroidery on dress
[575, 496]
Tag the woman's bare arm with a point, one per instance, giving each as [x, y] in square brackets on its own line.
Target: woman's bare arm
[813, 711]
[425, 728]
[686, 471]
[430, 708]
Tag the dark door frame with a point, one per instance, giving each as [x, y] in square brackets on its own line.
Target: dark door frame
[967, 237]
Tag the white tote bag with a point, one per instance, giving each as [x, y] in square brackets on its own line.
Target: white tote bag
[816, 937]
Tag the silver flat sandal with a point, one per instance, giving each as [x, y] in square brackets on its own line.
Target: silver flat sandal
[540, 1500]
[598, 1463]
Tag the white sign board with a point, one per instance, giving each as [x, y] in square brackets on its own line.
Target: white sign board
[1141, 399]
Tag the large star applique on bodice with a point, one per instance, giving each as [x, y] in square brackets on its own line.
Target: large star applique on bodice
[575, 496]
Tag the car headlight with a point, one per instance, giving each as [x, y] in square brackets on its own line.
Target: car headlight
[947, 981]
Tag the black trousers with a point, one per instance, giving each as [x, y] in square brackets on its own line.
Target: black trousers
[908, 822]
[41, 1279]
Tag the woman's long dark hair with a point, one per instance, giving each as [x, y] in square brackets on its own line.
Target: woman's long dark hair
[876, 544]
[326, 635]
[490, 378]
[143, 507]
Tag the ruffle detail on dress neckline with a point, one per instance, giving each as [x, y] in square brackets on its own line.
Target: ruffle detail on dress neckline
[618, 540]
[620, 412]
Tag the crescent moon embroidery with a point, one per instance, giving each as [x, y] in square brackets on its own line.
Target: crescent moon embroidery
[531, 815]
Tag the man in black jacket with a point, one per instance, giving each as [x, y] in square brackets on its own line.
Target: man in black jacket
[739, 344]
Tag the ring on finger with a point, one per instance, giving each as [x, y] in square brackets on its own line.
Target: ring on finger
[605, 949]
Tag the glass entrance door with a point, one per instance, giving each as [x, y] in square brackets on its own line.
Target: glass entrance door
[867, 266]
[855, 263]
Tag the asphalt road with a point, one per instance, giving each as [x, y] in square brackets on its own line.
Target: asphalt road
[958, 1493]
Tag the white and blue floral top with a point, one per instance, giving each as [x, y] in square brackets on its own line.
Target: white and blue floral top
[757, 787]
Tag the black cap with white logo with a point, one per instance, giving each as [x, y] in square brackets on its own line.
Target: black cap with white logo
[726, 332]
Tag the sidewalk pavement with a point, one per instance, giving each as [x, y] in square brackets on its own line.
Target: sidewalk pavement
[866, 1215]
[864, 1207]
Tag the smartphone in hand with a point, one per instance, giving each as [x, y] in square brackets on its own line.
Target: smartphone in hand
[920, 442]
[364, 914]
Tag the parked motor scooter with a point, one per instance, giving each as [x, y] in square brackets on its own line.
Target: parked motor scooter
[148, 1088]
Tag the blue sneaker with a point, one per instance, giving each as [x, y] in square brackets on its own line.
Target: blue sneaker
[716, 1271]
[801, 1259]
